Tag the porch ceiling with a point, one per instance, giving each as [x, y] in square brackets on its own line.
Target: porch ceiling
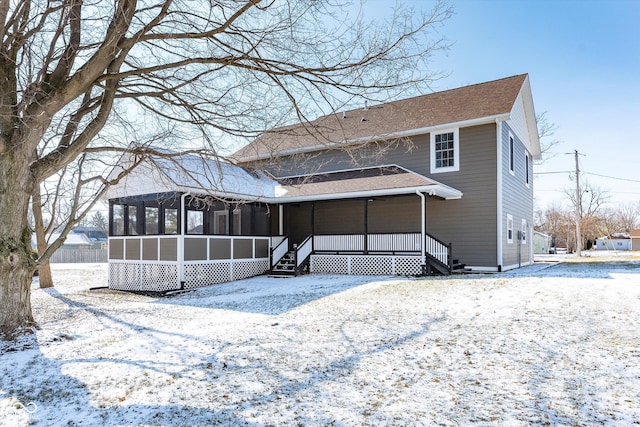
[366, 182]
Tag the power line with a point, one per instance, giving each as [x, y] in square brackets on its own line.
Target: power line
[611, 177]
[589, 173]
[549, 173]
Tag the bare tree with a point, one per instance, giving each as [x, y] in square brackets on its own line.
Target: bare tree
[557, 222]
[628, 216]
[80, 78]
[592, 200]
[546, 132]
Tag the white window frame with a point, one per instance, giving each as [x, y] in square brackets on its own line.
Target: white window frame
[524, 231]
[512, 154]
[509, 228]
[456, 151]
[527, 168]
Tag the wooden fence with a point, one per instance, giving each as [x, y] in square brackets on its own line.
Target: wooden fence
[80, 255]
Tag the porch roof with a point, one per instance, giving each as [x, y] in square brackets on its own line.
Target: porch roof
[366, 182]
[189, 173]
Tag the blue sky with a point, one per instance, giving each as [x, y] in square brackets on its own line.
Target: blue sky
[583, 60]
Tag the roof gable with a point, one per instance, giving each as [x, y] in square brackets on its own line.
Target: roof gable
[490, 101]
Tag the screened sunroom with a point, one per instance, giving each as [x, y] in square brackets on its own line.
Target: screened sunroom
[187, 236]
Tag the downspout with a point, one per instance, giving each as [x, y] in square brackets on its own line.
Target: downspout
[183, 227]
[499, 211]
[423, 233]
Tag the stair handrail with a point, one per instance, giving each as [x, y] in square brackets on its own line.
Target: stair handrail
[302, 252]
[448, 250]
[279, 251]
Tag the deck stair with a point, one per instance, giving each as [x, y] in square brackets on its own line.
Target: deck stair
[436, 267]
[459, 268]
[286, 266]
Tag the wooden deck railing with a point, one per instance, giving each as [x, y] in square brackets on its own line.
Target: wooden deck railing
[397, 242]
[371, 244]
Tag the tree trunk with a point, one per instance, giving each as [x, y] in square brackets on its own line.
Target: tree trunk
[44, 275]
[17, 264]
[44, 269]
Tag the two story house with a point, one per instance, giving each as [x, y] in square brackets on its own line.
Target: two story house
[417, 186]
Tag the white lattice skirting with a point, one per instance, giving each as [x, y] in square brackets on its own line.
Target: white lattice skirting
[374, 265]
[143, 277]
[210, 273]
[156, 277]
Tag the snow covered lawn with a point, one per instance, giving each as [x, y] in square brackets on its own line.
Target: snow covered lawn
[549, 344]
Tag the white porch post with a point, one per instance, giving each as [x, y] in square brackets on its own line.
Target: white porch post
[280, 220]
[423, 232]
[183, 227]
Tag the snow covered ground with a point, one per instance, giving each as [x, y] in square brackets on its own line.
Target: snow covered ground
[550, 344]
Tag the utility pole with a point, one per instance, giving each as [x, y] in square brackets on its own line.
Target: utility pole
[578, 208]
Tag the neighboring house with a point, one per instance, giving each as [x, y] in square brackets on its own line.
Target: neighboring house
[406, 187]
[74, 241]
[542, 243]
[96, 236]
[635, 239]
[617, 241]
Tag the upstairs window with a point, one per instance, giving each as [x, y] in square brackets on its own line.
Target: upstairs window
[445, 151]
[511, 162]
[527, 161]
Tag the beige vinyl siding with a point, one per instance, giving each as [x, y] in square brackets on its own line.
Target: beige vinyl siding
[470, 223]
[410, 153]
[399, 214]
[339, 217]
[517, 199]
